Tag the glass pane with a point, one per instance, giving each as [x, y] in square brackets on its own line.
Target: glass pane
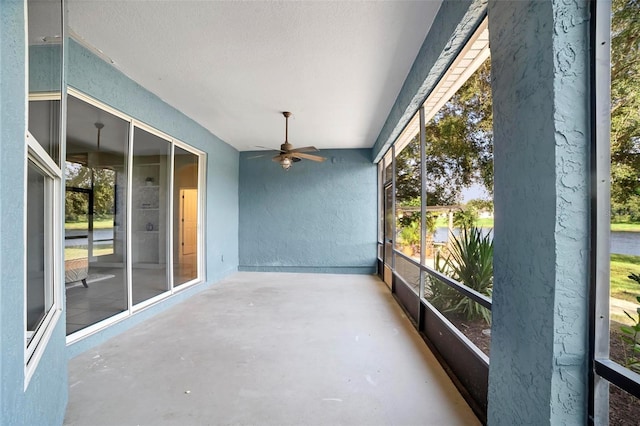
[459, 159]
[469, 317]
[388, 224]
[408, 186]
[95, 215]
[624, 408]
[185, 217]
[39, 285]
[625, 185]
[409, 272]
[388, 167]
[380, 203]
[45, 65]
[149, 216]
[44, 125]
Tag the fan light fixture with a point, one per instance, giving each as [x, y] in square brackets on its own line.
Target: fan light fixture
[285, 163]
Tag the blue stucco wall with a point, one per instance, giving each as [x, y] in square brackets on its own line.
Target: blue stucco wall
[538, 371]
[46, 58]
[94, 77]
[316, 217]
[44, 400]
[453, 25]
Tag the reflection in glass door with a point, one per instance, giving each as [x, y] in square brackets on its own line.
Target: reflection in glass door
[149, 215]
[95, 215]
[185, 216]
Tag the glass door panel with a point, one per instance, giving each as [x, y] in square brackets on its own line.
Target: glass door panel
[185, 217]
[149, 217]
[95, 215]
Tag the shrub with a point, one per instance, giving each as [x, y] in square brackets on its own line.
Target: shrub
[631, 336]
[470, 262]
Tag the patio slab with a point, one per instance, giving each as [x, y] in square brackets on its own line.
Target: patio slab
[269, 349]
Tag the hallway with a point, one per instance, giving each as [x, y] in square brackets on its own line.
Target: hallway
[269, 348]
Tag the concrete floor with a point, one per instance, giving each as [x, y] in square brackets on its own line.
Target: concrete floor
[269, 349]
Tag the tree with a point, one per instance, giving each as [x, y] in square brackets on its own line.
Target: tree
[101, 180]
[625, 107]
[481, 205]
[459, 148]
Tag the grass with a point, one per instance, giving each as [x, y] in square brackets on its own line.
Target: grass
[80, 252]
[621, 286]
[625, 227]
[487, 222]
[101, 223]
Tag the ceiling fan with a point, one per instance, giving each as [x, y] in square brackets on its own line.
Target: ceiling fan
[289, 155]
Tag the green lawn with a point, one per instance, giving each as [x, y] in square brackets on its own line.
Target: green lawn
[80, 252]
[621, 286]
[102, 223]
[626, 227]
[441, 222]
[487, 222]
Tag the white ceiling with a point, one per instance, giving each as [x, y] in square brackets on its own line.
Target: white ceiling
[233, 66]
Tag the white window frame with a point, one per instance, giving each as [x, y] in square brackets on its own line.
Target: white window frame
[36, 341]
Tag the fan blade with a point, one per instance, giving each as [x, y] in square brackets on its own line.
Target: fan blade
[270, 149]
[305, 149]
[308, 156]
[257, 156]
[277, 158]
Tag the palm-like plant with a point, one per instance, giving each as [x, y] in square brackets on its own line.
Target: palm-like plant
[470, 262]
[441, 295]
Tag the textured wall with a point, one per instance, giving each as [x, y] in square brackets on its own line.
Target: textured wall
[44, 400]
[453, 24]
[316, 217]
[96, 78]
[45, 58]
[540, 98]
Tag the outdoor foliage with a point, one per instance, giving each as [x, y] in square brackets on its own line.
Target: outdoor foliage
[410, 235]
[625, 110]
[631, 336]
[459, 146]
[102, 181]
[470, 262]
[465, 218]
[440, 295]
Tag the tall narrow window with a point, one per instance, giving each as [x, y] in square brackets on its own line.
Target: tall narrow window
[185, 216]
[408, 205]
[43, 301]
[39, 218]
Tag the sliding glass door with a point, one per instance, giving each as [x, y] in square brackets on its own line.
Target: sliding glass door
[132, 215]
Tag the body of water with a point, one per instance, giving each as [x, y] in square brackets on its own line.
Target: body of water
[621, 242]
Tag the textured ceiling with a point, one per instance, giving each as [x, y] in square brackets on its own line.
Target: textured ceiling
[233, 66]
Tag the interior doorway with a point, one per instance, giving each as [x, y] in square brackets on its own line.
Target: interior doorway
[188, 230]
